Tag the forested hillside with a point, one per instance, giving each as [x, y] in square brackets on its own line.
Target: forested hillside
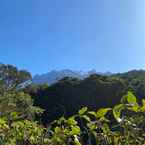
[70, 94]
[121, 121]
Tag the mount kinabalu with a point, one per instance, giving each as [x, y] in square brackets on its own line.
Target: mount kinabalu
[54, 76]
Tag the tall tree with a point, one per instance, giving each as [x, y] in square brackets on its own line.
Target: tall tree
[10, 76]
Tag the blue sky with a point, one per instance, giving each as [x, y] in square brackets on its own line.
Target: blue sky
[41, 35]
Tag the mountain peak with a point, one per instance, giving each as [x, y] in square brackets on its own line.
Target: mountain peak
[56, 75]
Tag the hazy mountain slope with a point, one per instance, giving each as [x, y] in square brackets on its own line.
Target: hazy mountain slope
[54, 76]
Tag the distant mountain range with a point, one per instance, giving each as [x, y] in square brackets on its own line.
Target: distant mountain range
[54, 76]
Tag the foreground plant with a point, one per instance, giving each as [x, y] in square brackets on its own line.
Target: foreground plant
[124, 124]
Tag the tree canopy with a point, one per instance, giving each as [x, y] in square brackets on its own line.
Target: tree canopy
[95, 111]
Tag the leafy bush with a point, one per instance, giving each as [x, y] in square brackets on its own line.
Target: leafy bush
[124, 124]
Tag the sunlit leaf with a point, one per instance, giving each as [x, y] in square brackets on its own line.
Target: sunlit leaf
[75, 130]
[83, 110]
[71, 121]
[129, 98]
[102, 112]
[117, 111]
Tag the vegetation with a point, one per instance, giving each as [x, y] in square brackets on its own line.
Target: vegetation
[67, 96]
[119, 121]
[124, 124]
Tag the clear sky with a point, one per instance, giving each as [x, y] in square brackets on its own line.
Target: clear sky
[41, 35]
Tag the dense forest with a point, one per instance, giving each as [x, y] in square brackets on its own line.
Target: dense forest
[94, 111]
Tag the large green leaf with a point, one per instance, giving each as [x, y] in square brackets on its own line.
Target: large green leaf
[71, 121]
[129, 98]
[117, 111]
[76, 141]
[75, 130]
[143, 105]
[102, 112]
[83, 110]
[92, 113]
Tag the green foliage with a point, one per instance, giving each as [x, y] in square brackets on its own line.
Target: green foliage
[117, 111]
[102, 112]
[123, 124]
[68, 95]
[83, 110]
[129, 98]
[10, 76]
[20, 102]
[85, 128]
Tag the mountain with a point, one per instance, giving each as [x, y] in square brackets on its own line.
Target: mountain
[132, 75]
[54, 76]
